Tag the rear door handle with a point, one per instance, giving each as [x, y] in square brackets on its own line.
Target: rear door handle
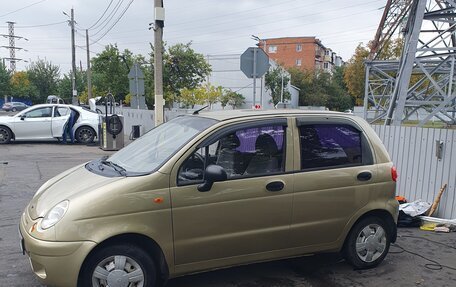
[275, 186]
[364, 176]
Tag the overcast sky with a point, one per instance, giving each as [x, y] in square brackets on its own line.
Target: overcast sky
[214, 26]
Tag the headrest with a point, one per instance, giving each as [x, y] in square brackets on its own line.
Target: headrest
[266, 144]
[231, 141]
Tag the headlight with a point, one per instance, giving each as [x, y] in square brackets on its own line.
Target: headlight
[55, 214]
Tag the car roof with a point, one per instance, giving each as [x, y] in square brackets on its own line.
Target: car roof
[53, 105]
[223, 115]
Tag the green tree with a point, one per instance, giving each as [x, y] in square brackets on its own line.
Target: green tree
[45, 77]
[5, 77]
[110, 71]
[354, 74]
[191, 97]
[65, 85]
[212, 94]
[183, 68]
[22, 87]
[273, 83]
[234, 99]
[312, 87]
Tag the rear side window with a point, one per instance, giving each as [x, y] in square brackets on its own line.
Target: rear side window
[330, 145]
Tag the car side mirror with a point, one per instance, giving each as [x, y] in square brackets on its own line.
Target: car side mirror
[22, 117]
[213, 173]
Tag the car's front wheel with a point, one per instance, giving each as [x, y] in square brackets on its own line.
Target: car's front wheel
[119, 265]
[14, 109]
[85, 134]
[5, 135]
[368, 243]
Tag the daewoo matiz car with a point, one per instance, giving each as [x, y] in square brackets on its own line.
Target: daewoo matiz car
[213, 190]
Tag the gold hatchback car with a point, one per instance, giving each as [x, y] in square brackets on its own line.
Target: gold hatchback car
[213, 190]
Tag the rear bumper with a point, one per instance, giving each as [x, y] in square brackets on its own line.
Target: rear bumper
[55, 263]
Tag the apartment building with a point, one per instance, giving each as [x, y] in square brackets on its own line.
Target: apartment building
[305, 53]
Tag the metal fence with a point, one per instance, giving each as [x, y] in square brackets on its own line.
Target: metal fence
[425, 159]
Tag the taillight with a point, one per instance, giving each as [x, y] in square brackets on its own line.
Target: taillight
[394, 173]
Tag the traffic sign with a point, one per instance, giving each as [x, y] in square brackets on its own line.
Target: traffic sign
[136, 77]
[254, 62]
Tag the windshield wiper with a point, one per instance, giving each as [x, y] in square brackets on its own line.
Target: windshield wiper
[122, 171]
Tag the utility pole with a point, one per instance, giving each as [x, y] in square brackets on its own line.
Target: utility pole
[74, 99]
[74, 92]
[158, 60]
[89, 72]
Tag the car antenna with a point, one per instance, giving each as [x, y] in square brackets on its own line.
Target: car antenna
[197, 111]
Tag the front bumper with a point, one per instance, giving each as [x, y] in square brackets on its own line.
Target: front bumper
[55, 263]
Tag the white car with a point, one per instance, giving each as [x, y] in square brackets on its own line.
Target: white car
[46, 122]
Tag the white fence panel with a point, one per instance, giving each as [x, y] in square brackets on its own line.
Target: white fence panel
[421, 173]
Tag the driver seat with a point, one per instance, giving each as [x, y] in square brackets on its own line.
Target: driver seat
[229, 157]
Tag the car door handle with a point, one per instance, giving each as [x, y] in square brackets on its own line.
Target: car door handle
[364, 176]
[275, 186]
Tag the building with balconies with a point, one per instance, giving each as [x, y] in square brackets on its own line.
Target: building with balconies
[304, 53]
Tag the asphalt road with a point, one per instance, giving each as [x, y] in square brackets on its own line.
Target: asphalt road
[25, 166]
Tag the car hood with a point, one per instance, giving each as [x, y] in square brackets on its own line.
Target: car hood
[73, 182]
[6, 119]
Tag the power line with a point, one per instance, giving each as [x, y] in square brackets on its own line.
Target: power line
[102, 15]
[114, 24]
[281, 3]
[20, 9]
[108, 19]
[43, 25]
[276, 21]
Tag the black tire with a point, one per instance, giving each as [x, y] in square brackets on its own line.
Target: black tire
[84, 135]
[14, 109]
[5, 135]
[367, 243]
[134, 262]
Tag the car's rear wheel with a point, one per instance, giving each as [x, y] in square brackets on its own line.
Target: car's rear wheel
[5, 135]
[14, 109]
[119, 265]
[368, 243]
[85, 134]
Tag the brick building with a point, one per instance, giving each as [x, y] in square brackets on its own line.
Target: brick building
[305, 53]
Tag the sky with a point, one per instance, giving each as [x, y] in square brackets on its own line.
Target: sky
[215, 27]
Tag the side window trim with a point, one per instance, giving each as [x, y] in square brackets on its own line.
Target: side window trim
[247, 125]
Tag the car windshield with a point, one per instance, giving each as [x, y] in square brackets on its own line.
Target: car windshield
[152, 150]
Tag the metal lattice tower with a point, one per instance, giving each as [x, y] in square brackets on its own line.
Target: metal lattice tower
[421, 83]
[12, 46]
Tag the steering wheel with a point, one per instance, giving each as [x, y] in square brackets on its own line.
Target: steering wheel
[192, 169]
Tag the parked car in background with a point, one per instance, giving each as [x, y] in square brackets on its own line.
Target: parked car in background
[213, 190]
[14, 106]
[52, 99]
[46, 122]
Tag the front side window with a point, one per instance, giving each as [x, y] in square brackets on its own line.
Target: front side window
[152, 150]
[39, 113]
[242, 153]
[61, 111]
[330, 145]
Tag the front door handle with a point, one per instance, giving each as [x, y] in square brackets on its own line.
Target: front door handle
[364, 176]
[275, 186]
